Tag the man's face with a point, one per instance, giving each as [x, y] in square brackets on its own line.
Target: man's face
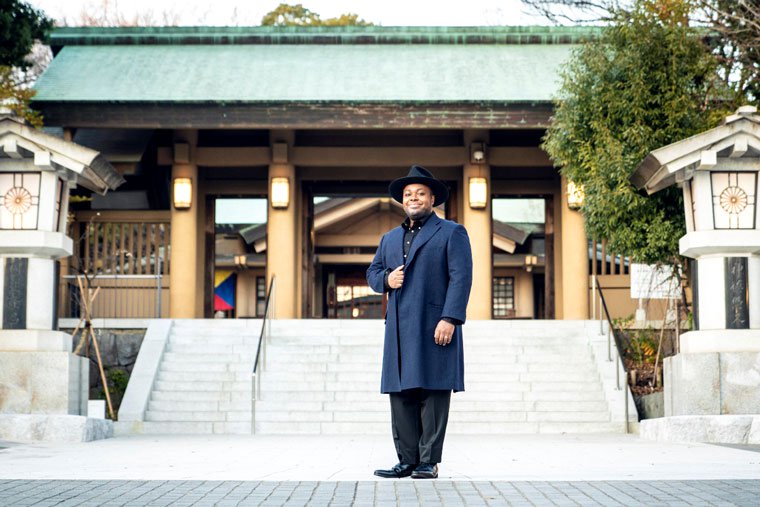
[418, 201]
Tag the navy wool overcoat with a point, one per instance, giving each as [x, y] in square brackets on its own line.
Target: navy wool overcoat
[437, 281]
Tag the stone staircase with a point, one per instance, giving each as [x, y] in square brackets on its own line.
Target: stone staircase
[204, 382]
[323, 377]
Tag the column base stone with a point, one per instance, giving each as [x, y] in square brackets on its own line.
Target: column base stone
[713, 429]
[53, 428]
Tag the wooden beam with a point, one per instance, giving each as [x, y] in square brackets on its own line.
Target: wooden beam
[233, 157]
[345, 258]
[141, 216]
[377, 156]
[329, 156]
[518, 157]
[370, 240]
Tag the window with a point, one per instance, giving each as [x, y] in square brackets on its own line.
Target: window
[503, 297]
[261, 296]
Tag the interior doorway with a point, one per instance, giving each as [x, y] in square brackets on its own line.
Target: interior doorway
[522, 261]
[235, 256]
[345, 225]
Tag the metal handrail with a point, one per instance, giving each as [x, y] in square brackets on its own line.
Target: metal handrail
[612, 336]
[263, 335]
[264, 323]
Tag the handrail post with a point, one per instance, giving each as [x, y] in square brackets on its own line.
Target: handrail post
[159, 268]
[609, 343]
[625, 395]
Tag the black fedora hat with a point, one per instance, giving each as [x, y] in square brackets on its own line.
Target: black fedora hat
[418, 174]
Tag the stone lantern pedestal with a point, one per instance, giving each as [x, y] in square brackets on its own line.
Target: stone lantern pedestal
[43, 386]
[712, 386]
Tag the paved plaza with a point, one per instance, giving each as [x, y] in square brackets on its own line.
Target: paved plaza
[337, 470]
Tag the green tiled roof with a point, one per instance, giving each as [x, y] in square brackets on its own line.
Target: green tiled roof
[270, 65]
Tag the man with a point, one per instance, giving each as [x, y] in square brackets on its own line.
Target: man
[425, 265]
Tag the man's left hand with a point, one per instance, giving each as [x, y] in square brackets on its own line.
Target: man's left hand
[444, 332]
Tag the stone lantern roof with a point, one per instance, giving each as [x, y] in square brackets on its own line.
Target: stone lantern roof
[76, 163]
[738, 136]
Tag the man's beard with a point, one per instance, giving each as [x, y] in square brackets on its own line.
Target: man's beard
[420, 214]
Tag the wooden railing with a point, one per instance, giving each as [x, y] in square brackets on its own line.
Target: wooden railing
[121, 242]
[126, 255]
[604, 262]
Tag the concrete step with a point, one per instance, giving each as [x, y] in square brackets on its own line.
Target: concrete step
[214, 341]
[204, 376]
[329, 385]
[246, 352]
[325, 428]
[198, 416]
[195, 428]
[163, 385]
[296, 396]
[191, 366]
[205, 357]
[201, 396]
[202, 406]
[524, 406]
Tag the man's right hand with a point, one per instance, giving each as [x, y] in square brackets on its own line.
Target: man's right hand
[396, 278]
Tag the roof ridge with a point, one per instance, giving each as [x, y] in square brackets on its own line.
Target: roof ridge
[269, 35]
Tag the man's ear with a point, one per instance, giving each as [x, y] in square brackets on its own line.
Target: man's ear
[433, 195]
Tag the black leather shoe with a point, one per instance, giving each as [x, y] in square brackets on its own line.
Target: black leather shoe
[426, 471]
[398, 471]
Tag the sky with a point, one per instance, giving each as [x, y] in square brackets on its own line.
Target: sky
[250, 12]
[254, 211]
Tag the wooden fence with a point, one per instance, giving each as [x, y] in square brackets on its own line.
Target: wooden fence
[126, 254]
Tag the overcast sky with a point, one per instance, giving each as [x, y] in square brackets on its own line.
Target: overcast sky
[250, 12]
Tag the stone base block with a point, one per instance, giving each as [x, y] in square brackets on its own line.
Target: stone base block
[43, 383]
[714, 429]
[720, 340]
[53, 428]
[712, 383]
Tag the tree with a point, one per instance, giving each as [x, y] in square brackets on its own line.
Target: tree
[22, 30]
[20, 26]
[298, 15]
[646, 82]
[737, 24]
[731, 28]
[108, 13]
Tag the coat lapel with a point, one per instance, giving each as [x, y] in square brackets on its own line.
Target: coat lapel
[427, 232]
[396, 245]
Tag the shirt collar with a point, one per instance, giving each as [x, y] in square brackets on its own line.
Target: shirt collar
[417, 224]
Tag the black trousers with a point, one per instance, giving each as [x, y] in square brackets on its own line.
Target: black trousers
[418, 419]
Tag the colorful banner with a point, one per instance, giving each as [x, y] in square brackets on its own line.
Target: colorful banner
[224, 289]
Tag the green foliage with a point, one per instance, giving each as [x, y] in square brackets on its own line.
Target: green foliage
[298, 15]
[20, 26]
[17, 97]
[646, 82]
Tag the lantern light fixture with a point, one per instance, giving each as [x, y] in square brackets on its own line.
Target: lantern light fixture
[575, 195]
[183, 193]
[478, 193]
[279, 195]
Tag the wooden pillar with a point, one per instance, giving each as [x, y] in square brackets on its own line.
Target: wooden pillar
[183, 271]
[478, 225]
[574, 262]
[282, 232]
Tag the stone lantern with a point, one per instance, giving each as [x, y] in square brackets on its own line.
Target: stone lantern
[41, 381]
[715, 377]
